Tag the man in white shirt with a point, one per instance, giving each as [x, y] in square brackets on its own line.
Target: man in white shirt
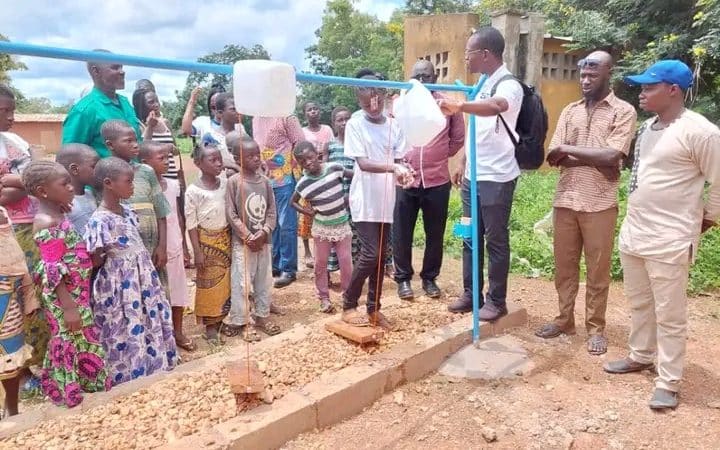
[496, 172]
[676, 153]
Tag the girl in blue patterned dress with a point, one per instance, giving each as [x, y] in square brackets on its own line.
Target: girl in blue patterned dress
[129, 302]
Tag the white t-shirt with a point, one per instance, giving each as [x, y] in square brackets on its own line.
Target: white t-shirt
[495, 151]
[203, 124]
[372, 195]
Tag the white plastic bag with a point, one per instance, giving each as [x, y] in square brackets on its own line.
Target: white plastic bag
[418, 115]
[264, 88]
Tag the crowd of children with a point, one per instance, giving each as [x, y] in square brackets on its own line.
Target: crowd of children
[105, 240]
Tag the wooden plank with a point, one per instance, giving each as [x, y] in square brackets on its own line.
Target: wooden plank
[243, 380]
[361, 335]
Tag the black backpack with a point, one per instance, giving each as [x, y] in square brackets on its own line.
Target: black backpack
[532, 127]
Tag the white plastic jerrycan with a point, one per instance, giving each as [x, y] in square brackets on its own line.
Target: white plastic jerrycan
[264, 88]
[418, 115]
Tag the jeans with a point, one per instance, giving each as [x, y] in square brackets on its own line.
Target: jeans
[249, 270]
[374, 239]
[284, 236]
[343, 250]
[494, 205]
[433, 202]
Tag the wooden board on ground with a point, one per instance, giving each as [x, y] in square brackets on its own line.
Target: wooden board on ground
[361, 335]
[243, 380]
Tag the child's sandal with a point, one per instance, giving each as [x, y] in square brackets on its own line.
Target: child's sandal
[230, 330]
[249, 334]
[326, 306]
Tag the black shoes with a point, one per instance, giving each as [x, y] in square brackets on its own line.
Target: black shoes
[405, 291]
[431, 289]
[285, 279]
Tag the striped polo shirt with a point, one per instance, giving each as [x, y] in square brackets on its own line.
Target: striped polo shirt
[610, 123]
[325, 194]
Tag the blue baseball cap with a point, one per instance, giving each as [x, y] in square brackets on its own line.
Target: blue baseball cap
[669, 71]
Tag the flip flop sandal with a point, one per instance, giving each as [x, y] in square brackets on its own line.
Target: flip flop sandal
[188, 345]
[230, 330]
[326, 306]
[356, 319]
[596, 341]
[549, 331]
[267, 327]
[249, 334]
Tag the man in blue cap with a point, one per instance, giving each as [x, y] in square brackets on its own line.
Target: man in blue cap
[676, 153]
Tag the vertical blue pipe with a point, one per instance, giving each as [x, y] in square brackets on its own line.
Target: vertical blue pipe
[474, 215]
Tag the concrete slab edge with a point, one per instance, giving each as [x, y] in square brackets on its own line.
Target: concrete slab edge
[342, 394]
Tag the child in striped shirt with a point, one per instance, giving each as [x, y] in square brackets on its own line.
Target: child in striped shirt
[322, 188]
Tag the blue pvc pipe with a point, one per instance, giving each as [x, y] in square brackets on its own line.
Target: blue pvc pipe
[17, 48]
[474, 213]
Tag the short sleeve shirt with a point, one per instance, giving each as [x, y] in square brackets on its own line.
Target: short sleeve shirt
[372, 195]
[609, 124]
[83, 122]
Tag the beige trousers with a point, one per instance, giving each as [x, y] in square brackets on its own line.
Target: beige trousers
[658, 303]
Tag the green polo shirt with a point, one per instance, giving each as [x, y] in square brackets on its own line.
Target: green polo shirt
[83, 122]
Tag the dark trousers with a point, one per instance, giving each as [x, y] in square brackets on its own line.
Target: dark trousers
[374, 239]
[495, 204]
[433, 202]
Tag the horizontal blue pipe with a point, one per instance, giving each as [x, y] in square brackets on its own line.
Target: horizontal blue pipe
[19, 48]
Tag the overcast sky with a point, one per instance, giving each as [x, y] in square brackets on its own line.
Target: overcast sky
[174, 29]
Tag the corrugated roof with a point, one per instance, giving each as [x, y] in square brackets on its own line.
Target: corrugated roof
[40, 117]
[560, 38]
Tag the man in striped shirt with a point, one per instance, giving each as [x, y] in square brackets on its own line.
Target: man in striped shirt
[592, 137]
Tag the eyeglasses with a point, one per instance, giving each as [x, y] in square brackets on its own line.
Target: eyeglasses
[589, 63]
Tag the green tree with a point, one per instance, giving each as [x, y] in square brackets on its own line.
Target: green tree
[8, 63]
[349, 40]
[230, 54]
[421, 7]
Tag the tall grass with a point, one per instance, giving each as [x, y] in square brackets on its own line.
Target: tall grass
[532, 252]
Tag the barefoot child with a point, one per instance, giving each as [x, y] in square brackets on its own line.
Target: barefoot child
[80, 160]
[321, 187]
[319, 135]
[210, 238]
[17, 298]
[155, 155]
[75, 359]
[147, 199]
[251, 212]
[130, 306]
[377, 144]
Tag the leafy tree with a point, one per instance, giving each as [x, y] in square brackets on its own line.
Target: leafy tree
[8, 63]
[420, 7]
[230, 54]
[349, 40]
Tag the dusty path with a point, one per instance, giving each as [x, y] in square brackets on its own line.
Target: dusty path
[567, 401]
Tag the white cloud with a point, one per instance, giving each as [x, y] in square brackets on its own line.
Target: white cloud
[183, 29]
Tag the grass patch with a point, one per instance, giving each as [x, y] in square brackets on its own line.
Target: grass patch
[532, 252]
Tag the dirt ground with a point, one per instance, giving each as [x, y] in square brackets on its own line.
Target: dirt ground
[566, 401]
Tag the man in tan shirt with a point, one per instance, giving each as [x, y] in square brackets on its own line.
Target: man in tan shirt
[593, 135]
[676, 153]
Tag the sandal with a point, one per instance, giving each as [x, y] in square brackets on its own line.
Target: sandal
[249, 334]
[266, 326]
[326, 306]
[355, 318]
[548, 331]
[276, 310]
[597, 345]
[188, 345]
[231, 330]
[378, 319]
[309, 262]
